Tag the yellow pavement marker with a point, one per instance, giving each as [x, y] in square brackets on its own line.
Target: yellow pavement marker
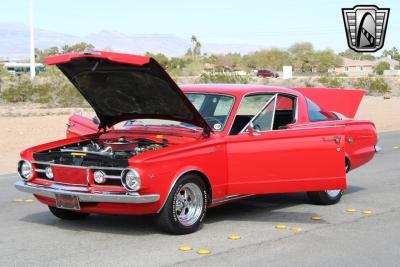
[185, 248]
[203, 251]
[296, 229]
[29, 200]
[351, 210]
[234, 237]
[280, 226]
[18, 200]
[315, 218]
[367, 212]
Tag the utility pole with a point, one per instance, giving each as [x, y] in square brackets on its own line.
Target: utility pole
[32, 43]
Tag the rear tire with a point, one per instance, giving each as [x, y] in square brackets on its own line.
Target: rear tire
[326, 197]
[185, 208]
[68, 214]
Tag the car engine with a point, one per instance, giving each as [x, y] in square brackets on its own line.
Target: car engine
[99, 152]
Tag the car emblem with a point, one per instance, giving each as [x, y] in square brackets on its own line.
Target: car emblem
[365, 27]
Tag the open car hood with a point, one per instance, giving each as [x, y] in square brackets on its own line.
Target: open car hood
[122, 87]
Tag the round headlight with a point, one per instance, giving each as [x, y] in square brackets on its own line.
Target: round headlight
[131, 179]
[99, 177]
[49, 172]
[25, 169]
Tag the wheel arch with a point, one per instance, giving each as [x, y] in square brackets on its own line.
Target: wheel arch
[197, 172]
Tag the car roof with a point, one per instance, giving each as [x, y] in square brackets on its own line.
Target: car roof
[237, 90]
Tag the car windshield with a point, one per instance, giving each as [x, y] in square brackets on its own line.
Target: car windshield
[214, 108]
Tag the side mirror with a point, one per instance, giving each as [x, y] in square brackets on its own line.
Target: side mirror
[251, 131]
[95, 120]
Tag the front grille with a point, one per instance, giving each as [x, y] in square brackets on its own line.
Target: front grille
[78, 175]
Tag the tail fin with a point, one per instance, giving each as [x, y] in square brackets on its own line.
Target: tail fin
[343, 101]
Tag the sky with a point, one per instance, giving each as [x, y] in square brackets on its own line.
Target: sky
[278, 23]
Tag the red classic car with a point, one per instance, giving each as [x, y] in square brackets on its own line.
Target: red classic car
[182, 149]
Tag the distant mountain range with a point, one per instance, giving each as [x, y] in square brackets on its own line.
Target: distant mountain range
[14, 42]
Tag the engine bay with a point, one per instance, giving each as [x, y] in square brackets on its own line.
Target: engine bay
[100, 152]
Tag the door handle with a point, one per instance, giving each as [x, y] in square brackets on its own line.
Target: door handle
[335, 139]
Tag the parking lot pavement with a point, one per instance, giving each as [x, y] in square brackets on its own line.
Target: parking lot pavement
[29, 234]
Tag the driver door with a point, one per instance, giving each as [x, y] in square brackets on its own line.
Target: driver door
[262, 160]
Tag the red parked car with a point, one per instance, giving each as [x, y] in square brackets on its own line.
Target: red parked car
[184, 149]
[267, 73]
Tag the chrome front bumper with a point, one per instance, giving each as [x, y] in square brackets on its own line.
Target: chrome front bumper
[84, 194]
[378, 148]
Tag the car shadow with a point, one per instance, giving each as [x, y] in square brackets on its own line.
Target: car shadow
[261, 208]
[268, 208]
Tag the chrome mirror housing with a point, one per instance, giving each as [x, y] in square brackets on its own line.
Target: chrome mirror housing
[251, 131]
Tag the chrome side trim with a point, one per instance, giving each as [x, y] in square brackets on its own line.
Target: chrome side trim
[378, 148]
[84, 194]
[230, 198]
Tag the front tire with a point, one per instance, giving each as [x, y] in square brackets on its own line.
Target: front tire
[68, 214]
[326, 197]
[185, 208]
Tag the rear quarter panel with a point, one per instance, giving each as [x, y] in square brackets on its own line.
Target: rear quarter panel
[360, 139]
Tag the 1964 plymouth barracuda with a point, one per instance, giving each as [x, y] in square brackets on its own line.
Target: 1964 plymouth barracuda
[183, 149]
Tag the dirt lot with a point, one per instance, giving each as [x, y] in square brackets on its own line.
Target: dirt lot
[24, 126]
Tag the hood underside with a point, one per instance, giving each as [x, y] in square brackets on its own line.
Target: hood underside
[123, 87]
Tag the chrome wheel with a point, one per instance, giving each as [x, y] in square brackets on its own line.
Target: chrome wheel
[333, 193]
[189, 204]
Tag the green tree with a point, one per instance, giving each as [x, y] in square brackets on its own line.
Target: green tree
[229, 61]
[326, 60]
[303, 56]
[195, 51]
[160, 58]
[42, 54]
[356, 56]
[273, 58]
[393, 53]
[82, 46]
[381, 67]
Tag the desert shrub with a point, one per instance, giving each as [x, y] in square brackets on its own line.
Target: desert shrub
[331, 82]
[223, 77]
[3, 72]
[309, 83]
[362, 83]
[379, 86]
[20, 91]
[373, 85]
[381, 67]
[52, 90]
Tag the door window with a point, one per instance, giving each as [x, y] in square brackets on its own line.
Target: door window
[263, 121]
